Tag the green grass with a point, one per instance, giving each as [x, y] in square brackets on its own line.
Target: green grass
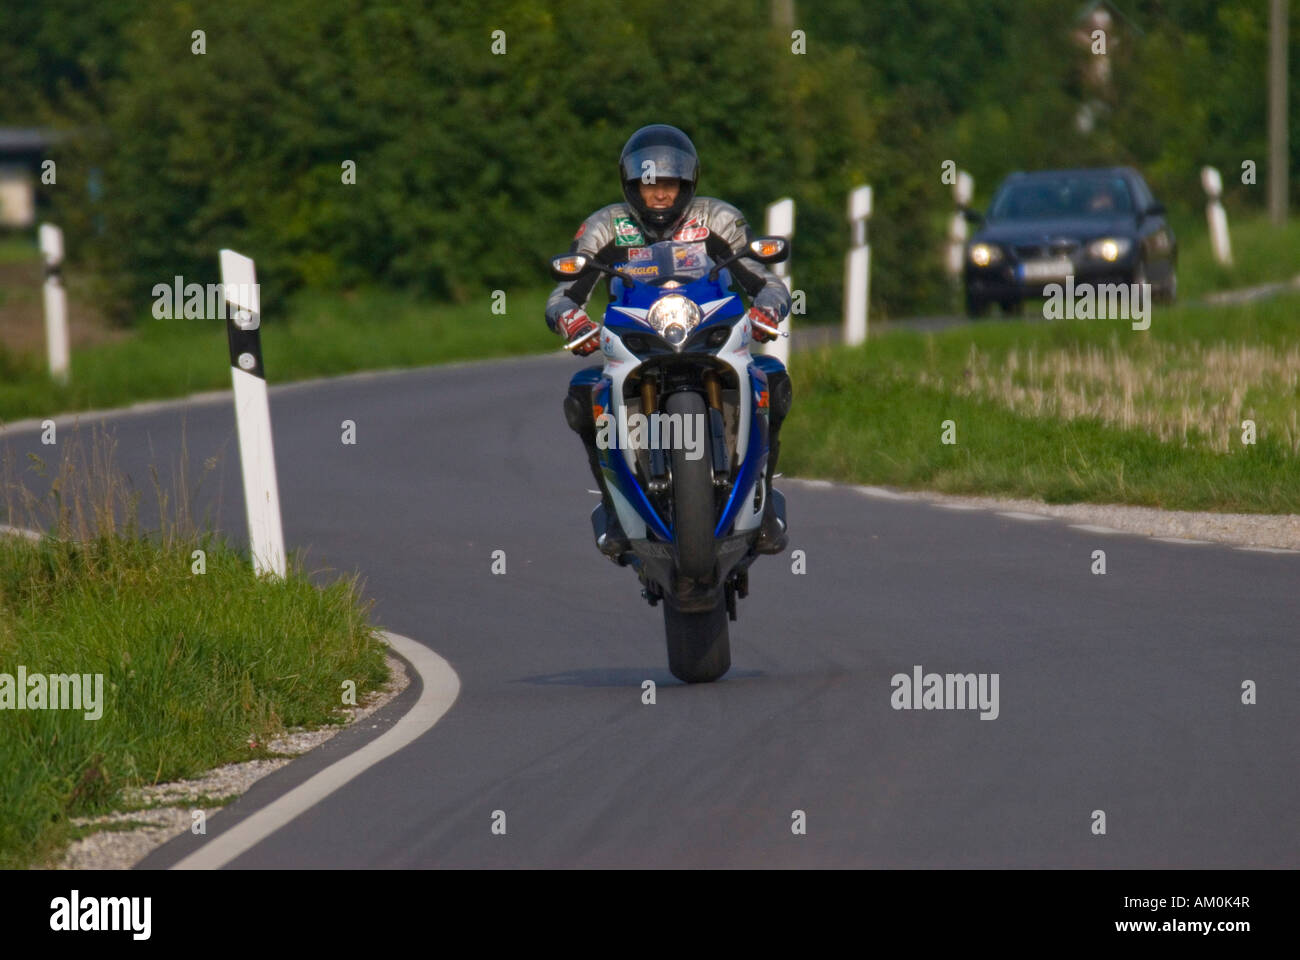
[18, 247]
[1261, 253]
[199, 668]
[194, 667]
[1056, 429]
[313, 335]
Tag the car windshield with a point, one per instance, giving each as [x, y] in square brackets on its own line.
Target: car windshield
[667, 260]
[1063, 197]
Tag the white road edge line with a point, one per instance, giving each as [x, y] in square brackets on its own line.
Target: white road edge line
[441, 687]
[1017, 515]
[1267, 550]
[881, 493]
[1092, 528]
[24, 532]
[1180, 540]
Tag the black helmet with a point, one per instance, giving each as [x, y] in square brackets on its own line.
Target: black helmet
[673, 155]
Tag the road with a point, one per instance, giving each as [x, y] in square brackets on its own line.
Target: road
[1118, 693]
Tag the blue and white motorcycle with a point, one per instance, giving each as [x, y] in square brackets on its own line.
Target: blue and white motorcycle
[687, 476]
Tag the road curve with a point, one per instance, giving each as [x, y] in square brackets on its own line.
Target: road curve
[1119, 693]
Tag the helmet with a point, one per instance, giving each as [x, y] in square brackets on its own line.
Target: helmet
[673, 155]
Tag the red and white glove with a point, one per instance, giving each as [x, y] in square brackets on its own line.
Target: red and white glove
[577, 329]
[762, 324]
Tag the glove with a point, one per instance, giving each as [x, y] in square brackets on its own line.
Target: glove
[573, 324]
[762, 324]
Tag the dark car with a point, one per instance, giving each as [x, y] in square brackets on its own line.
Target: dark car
[1097, 225]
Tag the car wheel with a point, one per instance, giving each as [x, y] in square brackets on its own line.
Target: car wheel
[1170, 294]
[1140, 275]
[1012, 308]
[976, 307]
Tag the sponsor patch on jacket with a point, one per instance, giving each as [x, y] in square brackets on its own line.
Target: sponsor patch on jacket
[640, 253]
[689, 256]
[581, 230]
[627, 233]
[692, 230]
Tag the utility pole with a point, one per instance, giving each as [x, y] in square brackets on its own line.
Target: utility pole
[1277, 147]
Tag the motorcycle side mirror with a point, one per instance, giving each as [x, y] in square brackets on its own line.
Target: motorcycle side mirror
[763, 249]
[570, 266]
[769, 250]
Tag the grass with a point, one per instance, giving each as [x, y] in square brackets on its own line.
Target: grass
[1261, 253]
[18, 247]
[313, 335]
[197, 668]
[1066, 411]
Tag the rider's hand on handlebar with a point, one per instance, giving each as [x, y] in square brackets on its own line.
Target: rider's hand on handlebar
[575, 325]
[762, 325]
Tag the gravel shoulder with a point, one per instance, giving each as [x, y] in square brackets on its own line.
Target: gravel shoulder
[1276, 531]
[155, 814]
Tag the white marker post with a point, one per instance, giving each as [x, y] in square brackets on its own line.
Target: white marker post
[1216, 216]
[252, 412]
[780, 223]
[56, 302]
[857, 269]
[962, 191]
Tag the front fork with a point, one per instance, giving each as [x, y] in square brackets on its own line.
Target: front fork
[660, 474]
[717, 430]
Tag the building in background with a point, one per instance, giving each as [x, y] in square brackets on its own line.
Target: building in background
[21, 152]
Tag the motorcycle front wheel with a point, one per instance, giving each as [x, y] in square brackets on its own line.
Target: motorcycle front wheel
[692, 493]
[699, 648]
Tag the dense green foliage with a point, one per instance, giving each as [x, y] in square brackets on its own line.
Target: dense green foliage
[472, 167]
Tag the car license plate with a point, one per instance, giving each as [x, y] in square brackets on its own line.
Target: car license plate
[1046, 269]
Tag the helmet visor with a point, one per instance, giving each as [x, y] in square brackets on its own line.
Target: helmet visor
[651, 163]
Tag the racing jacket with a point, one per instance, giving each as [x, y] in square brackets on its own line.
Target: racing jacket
[610, 232]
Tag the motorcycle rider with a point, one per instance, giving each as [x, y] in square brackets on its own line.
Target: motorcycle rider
[659, 170]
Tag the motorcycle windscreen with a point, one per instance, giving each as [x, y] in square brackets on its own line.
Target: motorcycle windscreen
[667, 260]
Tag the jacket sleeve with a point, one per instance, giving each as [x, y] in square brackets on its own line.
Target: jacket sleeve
[763, 287]
[595, 238]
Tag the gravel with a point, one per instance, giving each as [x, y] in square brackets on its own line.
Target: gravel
[171, 805]
[1272, 530]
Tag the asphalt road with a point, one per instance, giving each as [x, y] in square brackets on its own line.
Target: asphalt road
[1119, 692]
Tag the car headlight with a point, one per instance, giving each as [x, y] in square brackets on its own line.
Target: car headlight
[674, 317]
[1109, 249]
[984, 254]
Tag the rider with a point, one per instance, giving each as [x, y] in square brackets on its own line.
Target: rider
[659, 170]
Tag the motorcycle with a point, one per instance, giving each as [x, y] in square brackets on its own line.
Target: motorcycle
[675, 340]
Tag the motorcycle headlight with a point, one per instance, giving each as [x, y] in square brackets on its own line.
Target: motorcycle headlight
[1109, 249]
[983, 254]
[674, 317]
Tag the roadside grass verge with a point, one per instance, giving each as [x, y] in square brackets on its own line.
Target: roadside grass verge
[198, 669]
[1066, 411]
[1261, 253]
[313, 335]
